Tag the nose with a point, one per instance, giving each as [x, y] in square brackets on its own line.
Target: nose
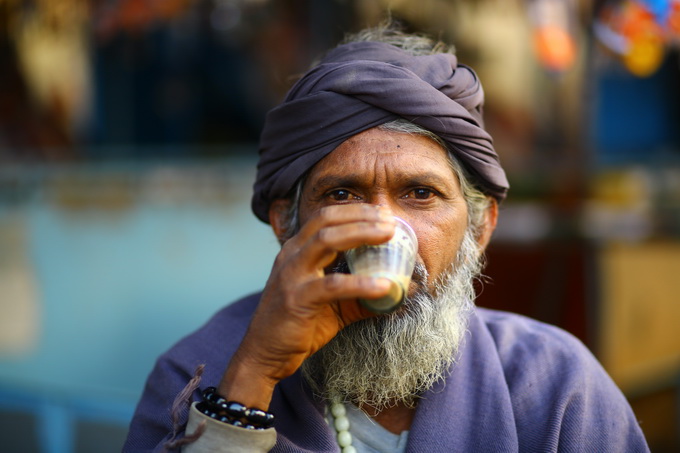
[392, 205]
[384, 201]
[396, 209]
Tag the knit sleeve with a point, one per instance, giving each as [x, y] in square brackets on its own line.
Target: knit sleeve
[218, 437]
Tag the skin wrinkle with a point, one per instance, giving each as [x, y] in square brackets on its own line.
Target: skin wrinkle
[389, 360]
[456, 115]
[439, 221]
[409, 383]
[476, 201]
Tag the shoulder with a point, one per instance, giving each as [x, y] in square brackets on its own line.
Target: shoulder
[559, 392]
[519, 337]
[536, 355]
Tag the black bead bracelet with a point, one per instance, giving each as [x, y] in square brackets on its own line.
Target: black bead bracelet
[217, 407]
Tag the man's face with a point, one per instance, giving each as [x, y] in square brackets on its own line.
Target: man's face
[410, 174]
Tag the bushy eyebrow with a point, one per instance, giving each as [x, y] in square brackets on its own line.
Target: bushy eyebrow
[425, 179]
[337, 181]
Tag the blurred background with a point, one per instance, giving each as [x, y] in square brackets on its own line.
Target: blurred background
[128, 140]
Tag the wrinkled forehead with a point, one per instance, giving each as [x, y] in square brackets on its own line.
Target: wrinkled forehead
[388, 154]
[339, 98]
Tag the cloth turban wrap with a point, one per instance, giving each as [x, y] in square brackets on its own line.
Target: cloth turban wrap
[361, 85]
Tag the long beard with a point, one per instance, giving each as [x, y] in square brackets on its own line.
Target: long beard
[394, 358]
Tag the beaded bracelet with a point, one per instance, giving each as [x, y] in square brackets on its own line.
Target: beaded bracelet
[236, 414]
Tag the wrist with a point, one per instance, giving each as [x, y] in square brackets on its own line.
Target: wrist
[245, 383]
[234, 413]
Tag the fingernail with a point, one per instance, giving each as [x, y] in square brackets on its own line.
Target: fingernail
[386, 225]
[381, 284]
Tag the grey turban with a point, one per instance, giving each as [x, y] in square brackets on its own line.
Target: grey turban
[361, 85]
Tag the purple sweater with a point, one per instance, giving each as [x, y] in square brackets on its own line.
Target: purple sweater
[519, 385]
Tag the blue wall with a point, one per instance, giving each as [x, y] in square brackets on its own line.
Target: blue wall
[117, 283]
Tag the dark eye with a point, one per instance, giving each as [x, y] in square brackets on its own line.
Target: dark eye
[341, 195]
[421, 193]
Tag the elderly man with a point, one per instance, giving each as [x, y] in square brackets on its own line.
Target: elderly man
[385, 125]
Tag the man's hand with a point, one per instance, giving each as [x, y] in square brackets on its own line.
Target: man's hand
[302, 308]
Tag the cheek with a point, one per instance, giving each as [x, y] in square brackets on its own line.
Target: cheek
[304, 213]
[307, 207]
[439, 242]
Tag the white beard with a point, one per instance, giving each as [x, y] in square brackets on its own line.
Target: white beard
[392, 359]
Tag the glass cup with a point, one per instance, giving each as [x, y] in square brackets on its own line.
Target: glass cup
[394, 260]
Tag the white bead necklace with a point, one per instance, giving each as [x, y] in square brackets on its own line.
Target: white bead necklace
[341, 423]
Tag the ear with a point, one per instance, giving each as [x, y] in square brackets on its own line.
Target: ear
[489, 225]
[278, 218]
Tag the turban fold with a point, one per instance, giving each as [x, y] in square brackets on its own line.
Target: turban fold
[361, 85]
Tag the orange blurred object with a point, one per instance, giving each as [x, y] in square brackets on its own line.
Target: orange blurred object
[635, 18]
[645, 54]
[646, 42]
[644, 39]
[555, 47]
[674, 19]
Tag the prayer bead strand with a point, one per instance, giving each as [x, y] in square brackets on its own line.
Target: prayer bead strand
[341, 424]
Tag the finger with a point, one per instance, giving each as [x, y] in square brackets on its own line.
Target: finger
[295, 266]
[332, 287]
[322, 249]
[343, 214]
[317, 244]
[350, 311]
